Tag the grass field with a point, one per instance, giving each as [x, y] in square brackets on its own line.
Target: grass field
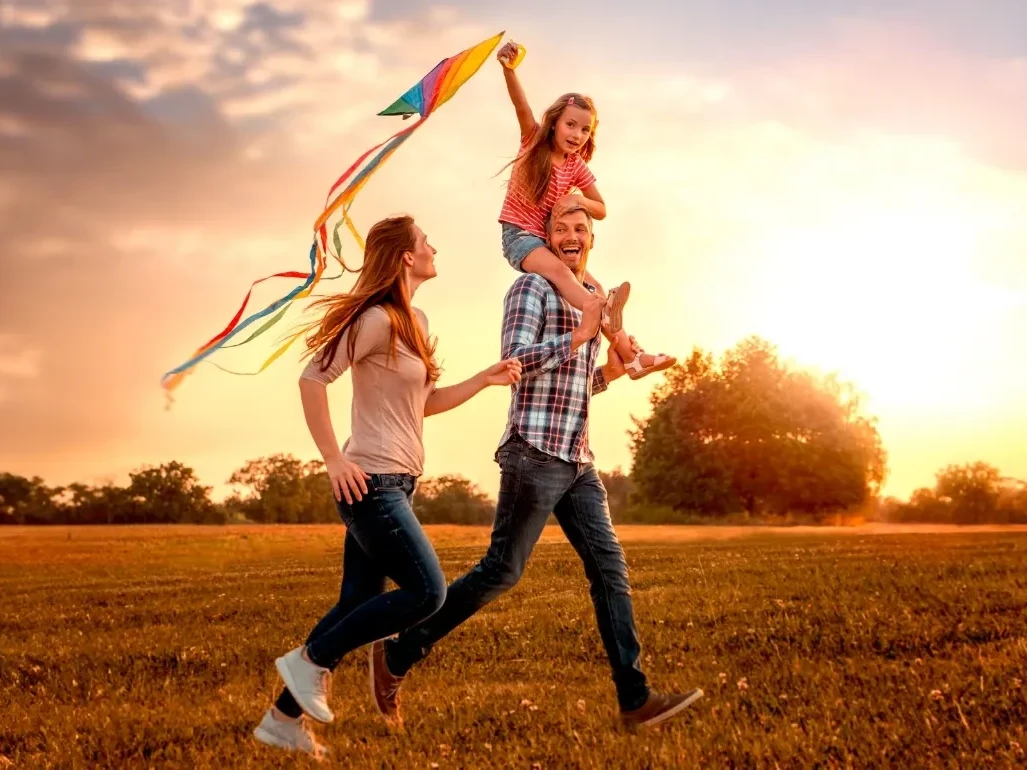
[154, 647]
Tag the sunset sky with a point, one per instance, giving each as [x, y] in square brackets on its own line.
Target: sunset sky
[846, 179]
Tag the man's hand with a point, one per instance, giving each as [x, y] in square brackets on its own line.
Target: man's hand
[591, 318]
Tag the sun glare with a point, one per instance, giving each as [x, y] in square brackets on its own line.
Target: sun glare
[888, 299]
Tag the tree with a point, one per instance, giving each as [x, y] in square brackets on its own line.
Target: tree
[109, 504]
[753, 435]
[619, 491]
[321, 505]
[238, 510]
[1012, 501]
[167, 494]
[970, 491]
[925, 506]
[974, 493]
[275, 483]
[285, 490]
[452, 500]
[15, 494]
[26, 501]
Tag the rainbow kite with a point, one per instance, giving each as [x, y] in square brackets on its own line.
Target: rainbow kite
[430, 93]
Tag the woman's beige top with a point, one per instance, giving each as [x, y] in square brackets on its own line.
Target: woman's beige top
[389, 394]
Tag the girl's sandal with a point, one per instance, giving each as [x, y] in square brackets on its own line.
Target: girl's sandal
[613, 317]
[636, 371]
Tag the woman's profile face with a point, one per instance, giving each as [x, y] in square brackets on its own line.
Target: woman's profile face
[423, 266]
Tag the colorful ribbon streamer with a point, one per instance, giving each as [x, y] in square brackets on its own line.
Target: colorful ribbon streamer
[427, 95]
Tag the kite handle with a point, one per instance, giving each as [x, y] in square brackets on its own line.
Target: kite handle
[521, 51]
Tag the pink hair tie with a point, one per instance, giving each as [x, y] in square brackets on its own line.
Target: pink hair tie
[570, 100]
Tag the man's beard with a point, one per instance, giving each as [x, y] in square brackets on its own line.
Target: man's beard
[579, 271]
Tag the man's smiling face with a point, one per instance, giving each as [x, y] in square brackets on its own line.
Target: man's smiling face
[570, 238]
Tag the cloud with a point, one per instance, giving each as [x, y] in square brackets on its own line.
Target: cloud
[890, 77]
[88, 164]
[156, 158]
[144, 168]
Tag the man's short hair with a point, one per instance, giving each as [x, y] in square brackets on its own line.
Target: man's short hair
[571, 210]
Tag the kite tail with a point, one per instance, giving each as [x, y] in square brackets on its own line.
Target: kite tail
[433, 90]
[173, 378]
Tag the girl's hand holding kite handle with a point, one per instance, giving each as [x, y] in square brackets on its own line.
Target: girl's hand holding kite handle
[511, 54]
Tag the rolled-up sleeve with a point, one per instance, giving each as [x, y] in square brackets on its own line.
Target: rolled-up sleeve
[524, 316]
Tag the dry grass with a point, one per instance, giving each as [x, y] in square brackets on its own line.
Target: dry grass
[125, 647]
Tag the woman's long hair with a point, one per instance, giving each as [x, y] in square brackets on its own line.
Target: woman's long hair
[533, 166]
[380, 283]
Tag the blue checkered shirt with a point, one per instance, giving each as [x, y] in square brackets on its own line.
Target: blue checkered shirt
[549, 406]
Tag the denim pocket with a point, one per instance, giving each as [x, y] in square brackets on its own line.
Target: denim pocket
[344, 509]
[536, 456]
[381, 494]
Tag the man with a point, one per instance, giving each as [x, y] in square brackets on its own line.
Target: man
[546, 467]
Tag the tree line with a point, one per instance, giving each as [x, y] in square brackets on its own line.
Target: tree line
[279, 489]
[974, 493]
[743, 438]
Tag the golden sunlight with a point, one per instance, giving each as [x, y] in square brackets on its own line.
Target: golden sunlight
[887, 298]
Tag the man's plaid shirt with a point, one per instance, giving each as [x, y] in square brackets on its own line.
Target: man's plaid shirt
[549, 406]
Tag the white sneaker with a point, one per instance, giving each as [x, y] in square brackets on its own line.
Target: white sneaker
[308, 684]
[289, 735]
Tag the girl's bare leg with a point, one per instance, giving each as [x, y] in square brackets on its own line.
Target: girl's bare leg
[620, 341]
[545, 263]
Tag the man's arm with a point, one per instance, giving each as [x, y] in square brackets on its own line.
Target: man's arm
[524, 318]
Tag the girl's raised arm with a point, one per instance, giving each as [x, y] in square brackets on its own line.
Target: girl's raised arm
[525, 119]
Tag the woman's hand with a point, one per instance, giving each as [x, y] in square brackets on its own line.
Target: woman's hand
[506, 372]
[348, 479]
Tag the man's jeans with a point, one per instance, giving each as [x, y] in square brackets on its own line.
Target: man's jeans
[383, 539]
[533, 485]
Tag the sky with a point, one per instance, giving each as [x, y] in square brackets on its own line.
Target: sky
[845, 179]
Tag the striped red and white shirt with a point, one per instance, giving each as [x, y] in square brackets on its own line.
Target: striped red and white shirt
[520, 210]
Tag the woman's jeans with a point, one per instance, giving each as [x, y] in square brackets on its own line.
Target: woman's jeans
[384, 539]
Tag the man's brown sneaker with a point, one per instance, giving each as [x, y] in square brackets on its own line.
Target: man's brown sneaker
[660, 707]
[384, 686]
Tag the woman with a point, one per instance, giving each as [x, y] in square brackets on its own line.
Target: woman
[375, 331]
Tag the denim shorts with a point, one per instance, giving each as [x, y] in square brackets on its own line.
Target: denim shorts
[519, 243]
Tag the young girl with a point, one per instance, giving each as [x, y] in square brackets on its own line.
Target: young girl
[553, 160]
